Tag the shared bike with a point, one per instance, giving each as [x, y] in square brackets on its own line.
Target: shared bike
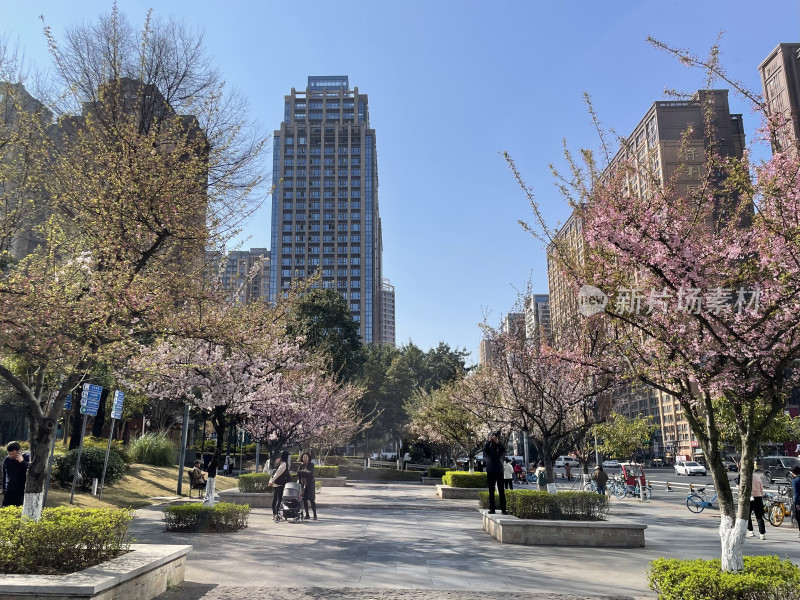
[697, 501]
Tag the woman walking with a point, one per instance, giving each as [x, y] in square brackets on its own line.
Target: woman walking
[306, 476]
[279, 479]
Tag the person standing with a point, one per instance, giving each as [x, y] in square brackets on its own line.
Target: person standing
[541, 476]
[601, 479]
[15, 469]
[796, 494]
[568, 471]
[279, 479]
[508, 475]
[757, 506]
[305, 474]
[493, 454]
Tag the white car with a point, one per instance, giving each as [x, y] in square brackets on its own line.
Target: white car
[689, 467]
[563, 461]
[611, 463]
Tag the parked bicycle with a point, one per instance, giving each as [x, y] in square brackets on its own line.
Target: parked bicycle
[697, 502]
[619, 488]
[778, 507]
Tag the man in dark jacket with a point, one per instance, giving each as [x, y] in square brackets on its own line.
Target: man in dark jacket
[15, 469]
[494, 454]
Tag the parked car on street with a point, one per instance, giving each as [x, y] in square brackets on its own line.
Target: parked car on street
[689, 467]
[777, 467]
[562, 461]
[730, 465]
[611, 463]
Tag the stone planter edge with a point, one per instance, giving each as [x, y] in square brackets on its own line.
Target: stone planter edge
[91, 582]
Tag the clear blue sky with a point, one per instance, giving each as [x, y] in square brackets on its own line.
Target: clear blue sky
[452, 84]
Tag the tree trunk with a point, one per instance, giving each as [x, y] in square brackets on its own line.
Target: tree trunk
[41, 440]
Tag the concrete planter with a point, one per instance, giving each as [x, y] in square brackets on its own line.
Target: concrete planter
[431, 480]
[508, 529]
[448, 493]
[142, 574]
[254, 499]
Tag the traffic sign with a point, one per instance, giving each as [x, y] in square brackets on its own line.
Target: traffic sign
[68, 402]
[89, 410]
[90, 402]
[95, 395]
[90, 387]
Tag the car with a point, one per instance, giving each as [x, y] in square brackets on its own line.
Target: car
[563, 461]
[689, 467]
[777, 467]
[730, 465]
[611, 463]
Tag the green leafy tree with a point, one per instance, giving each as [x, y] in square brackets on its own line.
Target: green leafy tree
[622, 437]
[323, 319]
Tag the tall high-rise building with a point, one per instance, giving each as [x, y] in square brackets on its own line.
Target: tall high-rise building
[658, 143]
[780, 78]
[245, 275]
[325, 218]
[537, 318]
[387, 313]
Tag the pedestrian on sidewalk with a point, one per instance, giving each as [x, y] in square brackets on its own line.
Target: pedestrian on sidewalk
[541, 476]
[568, 471]
[15, 469]
[305, 475]
[508, 475]
[796, 494]
[601, 479]
[279, 479]
[493, 454]
[757, 506]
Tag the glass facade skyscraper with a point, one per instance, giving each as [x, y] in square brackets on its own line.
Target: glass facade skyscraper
[325, 218]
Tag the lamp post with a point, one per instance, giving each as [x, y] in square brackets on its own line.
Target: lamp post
[184, 436]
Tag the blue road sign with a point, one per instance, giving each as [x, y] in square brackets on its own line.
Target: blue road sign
[68, 402]
[90, 402]
[93, 395]
[119, 396]
[89, 410]
[90, 387]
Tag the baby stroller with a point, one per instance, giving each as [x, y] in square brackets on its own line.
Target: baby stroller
[291, 507]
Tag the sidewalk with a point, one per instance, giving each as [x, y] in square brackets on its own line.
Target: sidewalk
[392, 541]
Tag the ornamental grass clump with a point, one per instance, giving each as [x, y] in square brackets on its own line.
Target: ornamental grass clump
[153, 449]
[223, 516]
[763, 578]
[64, 540]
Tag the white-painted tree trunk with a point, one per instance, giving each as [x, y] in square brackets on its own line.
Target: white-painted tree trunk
[32, 505]
[211, 483]
[731, 534]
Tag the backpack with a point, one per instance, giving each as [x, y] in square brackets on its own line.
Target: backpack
[541, 478]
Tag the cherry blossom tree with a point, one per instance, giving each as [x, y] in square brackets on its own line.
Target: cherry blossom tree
[702, 287]
[157, 166]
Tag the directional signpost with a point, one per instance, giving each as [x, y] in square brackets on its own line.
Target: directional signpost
[116, 413]
[90, 402]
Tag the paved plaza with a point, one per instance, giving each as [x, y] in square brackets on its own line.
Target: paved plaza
[398, 541]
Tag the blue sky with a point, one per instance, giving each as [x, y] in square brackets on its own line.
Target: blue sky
[451, 85]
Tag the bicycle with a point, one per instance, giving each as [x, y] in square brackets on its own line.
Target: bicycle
[697, 502]
[620, 489]
[778, 507]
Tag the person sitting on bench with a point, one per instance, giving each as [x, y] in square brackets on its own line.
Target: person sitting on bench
[196, 477]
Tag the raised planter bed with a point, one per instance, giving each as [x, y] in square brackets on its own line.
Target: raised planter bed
[142, 574]
[431, 480]
[332, 481]
[254, 499]
[508, 529]
[449, 493]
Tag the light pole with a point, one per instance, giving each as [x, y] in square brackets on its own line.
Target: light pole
[184, 436]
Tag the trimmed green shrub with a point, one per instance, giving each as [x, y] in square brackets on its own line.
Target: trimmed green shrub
[569, 506]
[465, 480]
[438, 471]
[254, 482]
[92, 460]
[116, 447]
[223, 516]
[153, 449]
[326, 471]
[373, 474]
[64, 540]
[763, 578]
[339, 461]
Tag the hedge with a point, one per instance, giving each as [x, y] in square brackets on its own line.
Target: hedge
[92, 460]
[568, 506]
[254, 482]
[64, 540]
[223, 516]
[465, 480]
[763, 578]
[439, 471]
[375, 474]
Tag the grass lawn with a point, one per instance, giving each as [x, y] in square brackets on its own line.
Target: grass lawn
[137, 488]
